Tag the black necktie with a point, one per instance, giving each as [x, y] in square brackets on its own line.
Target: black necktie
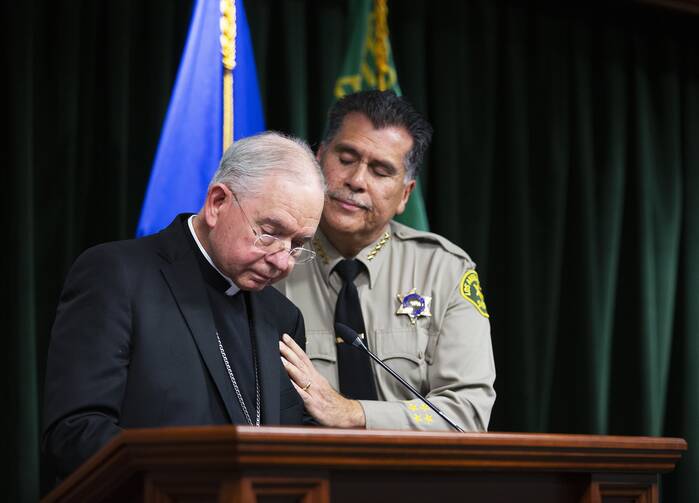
[356, 380]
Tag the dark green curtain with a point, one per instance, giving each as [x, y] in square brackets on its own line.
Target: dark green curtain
[86, 85]
[565, 161]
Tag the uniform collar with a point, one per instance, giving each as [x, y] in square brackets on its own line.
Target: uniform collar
[372, 256]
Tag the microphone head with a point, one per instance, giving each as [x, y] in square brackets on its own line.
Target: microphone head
[348, 335]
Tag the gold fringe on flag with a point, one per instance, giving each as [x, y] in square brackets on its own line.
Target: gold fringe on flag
[381, 44]
[228, 33]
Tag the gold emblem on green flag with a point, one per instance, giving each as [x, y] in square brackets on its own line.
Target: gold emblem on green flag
[471, 291]
[369, 64]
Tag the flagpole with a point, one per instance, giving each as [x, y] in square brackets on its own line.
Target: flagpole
[228, 33]
[196, 127]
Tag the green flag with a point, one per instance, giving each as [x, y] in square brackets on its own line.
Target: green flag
[369, 65]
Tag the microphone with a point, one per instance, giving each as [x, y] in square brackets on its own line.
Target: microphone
[351, 337]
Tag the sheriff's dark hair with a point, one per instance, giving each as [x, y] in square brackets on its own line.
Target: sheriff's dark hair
[384, 109]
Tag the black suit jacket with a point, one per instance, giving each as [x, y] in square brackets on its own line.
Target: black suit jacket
[134, 345]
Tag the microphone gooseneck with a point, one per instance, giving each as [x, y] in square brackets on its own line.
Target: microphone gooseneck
[352, 338]
[349, 336]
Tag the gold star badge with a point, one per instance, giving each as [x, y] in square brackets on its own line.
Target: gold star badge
[414, 305]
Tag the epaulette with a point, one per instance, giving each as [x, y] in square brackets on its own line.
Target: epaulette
[405, 233]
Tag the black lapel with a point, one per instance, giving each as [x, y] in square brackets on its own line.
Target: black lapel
[184, 278]
[269, 359]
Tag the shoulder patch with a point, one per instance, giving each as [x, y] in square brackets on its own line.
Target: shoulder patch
[470, 288]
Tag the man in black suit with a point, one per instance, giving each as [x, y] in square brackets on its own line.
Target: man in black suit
[179, 328]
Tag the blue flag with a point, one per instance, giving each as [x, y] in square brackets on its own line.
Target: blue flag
[191, 142]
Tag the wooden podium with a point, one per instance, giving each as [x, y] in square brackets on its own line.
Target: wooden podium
[314, 465]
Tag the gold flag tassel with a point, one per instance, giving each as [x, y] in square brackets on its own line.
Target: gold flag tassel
[381, 45]
[228, 33]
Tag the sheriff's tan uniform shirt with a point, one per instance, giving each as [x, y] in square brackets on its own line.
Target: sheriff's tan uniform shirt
[446, 353]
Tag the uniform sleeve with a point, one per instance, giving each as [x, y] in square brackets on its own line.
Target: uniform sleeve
[460, 376]
[87, 361]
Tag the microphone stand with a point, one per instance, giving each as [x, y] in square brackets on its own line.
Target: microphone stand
[351, 337]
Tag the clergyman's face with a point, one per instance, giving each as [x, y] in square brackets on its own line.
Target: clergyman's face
[365, 172]
[287, 209]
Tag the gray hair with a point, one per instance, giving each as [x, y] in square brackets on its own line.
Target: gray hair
[247, 163]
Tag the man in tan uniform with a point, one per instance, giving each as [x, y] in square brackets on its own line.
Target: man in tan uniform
[420, 297]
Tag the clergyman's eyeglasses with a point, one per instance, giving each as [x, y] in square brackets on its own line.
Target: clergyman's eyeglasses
[272, 244]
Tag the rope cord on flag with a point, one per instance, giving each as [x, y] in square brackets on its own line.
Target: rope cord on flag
[380, 45]
[228, 33]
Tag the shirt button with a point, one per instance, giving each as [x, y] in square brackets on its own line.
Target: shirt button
[419, 355]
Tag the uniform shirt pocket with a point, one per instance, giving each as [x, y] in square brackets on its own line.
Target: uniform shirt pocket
[402, 349]
[320, 345]
[320, 348]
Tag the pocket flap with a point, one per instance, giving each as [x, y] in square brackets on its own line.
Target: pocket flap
[320, 345]
[399, 343]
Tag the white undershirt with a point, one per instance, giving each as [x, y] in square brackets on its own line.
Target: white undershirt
[233, 289]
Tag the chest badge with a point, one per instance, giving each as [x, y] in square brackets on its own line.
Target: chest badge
[414, 305]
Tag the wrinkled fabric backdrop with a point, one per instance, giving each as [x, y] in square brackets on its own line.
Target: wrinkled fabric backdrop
[565, 161]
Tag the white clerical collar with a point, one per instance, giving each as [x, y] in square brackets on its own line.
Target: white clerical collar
[233, 289]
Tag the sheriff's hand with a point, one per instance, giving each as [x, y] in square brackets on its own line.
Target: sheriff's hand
[322, 402]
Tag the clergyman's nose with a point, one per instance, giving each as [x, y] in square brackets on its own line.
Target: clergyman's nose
[281, 260]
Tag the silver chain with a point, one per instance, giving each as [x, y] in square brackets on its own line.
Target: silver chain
[235, 384]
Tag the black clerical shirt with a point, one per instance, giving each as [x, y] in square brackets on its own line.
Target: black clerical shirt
[232, 321]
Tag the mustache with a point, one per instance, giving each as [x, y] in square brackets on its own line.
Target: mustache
[348, 197]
